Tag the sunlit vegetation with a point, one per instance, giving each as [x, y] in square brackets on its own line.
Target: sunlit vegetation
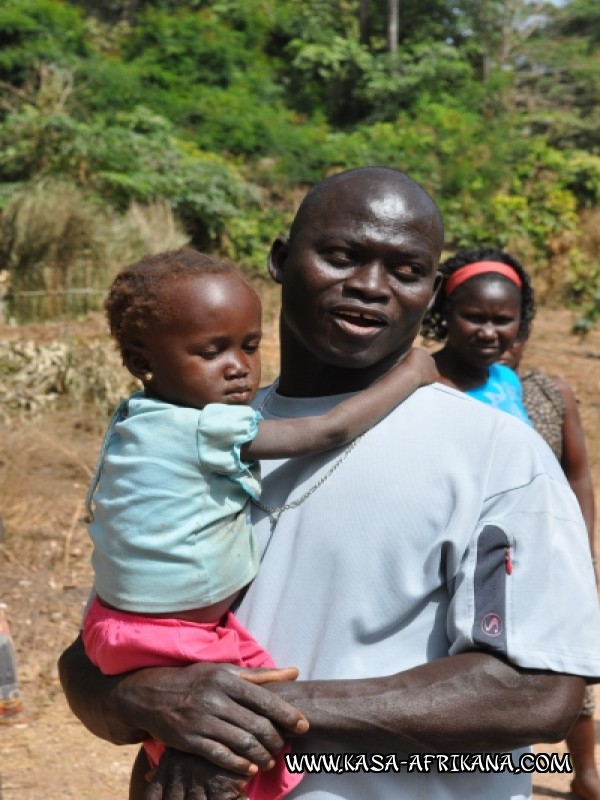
[222, 113]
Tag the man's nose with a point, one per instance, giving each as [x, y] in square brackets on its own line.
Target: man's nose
[369, 280]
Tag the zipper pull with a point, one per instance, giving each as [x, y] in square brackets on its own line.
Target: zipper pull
[507, 561]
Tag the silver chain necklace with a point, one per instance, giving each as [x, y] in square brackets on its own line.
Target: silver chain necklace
[275, 512]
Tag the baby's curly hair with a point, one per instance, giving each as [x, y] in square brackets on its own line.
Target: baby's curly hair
[134, 303]
[434, 324]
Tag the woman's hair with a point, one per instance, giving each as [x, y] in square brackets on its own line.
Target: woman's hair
[135, 301]
[434, 323]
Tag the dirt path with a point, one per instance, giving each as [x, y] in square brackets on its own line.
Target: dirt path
[45, 577]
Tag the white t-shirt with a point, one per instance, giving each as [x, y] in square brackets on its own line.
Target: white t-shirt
[400, 557]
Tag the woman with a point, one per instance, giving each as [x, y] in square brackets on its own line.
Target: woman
[484, 303]
[483, 314]
[552, 408]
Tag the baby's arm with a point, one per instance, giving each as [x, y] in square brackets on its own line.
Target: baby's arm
[349, 419]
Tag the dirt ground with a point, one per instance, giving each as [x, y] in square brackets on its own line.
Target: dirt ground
[45, 465]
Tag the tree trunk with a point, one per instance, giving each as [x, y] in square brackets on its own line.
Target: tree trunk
[393, 17]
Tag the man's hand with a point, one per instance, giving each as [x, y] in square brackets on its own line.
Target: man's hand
[181, 776]
[210, 711]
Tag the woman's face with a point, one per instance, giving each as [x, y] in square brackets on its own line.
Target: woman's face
[483, 317]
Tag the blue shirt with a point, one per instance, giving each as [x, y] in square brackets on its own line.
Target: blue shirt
[502, 390]
[171, 526]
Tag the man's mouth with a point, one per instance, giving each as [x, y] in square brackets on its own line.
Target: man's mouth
[358, 322]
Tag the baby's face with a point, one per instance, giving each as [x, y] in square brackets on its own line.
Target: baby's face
[209, 351]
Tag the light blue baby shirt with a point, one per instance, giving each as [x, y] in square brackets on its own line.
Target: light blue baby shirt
[171, 526]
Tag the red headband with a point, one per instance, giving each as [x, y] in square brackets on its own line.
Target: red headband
[481, 268]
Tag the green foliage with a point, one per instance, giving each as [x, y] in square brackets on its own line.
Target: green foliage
[422, 75]
[249, 237]
[536, 214]
[135, 158]
[37, 30]
[580, 172]
[584, 272]
[185, 46]
[225, 111]
[590, 314]
[558, 79]
[322, 75]
[350, 84]
[312, 20]
[580, 18]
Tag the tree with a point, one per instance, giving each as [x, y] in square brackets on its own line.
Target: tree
[392, 26]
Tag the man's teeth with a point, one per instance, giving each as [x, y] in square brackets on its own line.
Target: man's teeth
[360, 315]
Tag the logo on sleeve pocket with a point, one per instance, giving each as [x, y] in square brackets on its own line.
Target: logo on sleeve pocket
[491, 624]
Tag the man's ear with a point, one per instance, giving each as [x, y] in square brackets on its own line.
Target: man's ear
[437, 283]
[136, 361]
[277, 256]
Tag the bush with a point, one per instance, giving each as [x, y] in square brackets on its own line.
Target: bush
[133, 157]
[32, 31]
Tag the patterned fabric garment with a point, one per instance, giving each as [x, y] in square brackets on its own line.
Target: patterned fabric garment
[545, 408]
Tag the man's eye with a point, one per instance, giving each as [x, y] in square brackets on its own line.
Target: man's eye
[208, 354]
[407, 269]
[339, 258]
[252, 348]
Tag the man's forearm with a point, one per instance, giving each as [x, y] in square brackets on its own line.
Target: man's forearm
[94, 697]
[469, 702]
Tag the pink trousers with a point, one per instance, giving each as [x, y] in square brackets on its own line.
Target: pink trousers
[119, 642]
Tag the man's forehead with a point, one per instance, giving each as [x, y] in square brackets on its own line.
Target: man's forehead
[381, 196]
[376, 214]
[370, 200]
[384, 188]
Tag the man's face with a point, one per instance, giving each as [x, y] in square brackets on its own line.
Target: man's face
[359, 273]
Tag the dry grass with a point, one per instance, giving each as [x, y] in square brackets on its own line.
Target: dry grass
[63, 248]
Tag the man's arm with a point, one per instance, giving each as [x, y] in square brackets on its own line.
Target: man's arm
[205, 708]
[471, 702]
[92, 697]
[468, 702]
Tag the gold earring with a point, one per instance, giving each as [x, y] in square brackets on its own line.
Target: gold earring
[148, 376]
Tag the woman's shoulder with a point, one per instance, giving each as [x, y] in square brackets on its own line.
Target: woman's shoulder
[503, 374]
[555, 389]
[534, 375]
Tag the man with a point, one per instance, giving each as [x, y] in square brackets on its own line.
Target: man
[424, 580]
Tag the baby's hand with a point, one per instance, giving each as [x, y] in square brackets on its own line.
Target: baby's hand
[423, 364]
[260, 675]
[181, 775]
